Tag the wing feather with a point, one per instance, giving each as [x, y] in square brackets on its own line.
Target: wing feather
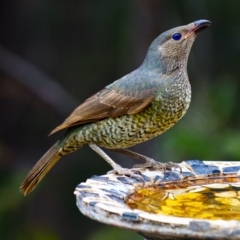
[115, 100]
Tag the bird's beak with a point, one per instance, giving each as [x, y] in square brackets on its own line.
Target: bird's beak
[198, 27]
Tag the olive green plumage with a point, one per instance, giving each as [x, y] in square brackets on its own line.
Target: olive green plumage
[129, 130]
[131, 110]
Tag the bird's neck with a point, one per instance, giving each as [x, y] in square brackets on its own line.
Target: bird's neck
[154, 62]
[173, 64]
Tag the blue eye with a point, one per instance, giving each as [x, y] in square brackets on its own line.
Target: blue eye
[176, 36]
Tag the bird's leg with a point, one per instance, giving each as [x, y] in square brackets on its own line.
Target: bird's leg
[132, 154]
[116, 168]
[149, 162]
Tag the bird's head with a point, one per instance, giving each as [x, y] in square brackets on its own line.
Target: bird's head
[171, 49]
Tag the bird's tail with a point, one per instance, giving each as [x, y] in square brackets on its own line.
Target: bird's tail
[41, 168]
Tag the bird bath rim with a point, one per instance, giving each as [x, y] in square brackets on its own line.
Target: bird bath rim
[102, 198]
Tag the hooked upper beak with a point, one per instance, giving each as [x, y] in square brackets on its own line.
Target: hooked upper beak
[198, 27]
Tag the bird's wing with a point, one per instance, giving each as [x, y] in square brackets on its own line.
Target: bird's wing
[115, 100]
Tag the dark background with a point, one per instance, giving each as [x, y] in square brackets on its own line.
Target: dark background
[55, 54]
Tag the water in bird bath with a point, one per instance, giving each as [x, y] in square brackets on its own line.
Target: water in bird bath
[210, 201]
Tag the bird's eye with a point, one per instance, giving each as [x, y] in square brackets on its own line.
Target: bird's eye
[176, 36]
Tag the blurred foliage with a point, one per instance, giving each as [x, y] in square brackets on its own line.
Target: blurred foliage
[107, 232]
[81, 46]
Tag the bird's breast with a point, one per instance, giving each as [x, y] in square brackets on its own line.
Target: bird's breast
[130, 129]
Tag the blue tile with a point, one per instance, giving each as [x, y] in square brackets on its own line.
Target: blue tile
[99, 178]
[115, 198]
[200, 168]
[171, 176]
[83, 186]
[92, 204]
[233, 169]
[126, 180]
[187, 174]
[88, 194]
[130, 216]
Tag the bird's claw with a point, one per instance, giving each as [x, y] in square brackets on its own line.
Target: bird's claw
[132, 173]
[151, 163]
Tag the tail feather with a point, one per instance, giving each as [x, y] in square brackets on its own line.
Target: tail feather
[41, 168]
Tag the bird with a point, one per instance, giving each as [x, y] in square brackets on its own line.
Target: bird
[133, 109]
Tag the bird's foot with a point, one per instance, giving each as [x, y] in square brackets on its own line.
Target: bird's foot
[133, 172]
[151, 163]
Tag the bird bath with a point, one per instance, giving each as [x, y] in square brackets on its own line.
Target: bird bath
[201, 203]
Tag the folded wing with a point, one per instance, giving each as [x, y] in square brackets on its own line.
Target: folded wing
[129, 95]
